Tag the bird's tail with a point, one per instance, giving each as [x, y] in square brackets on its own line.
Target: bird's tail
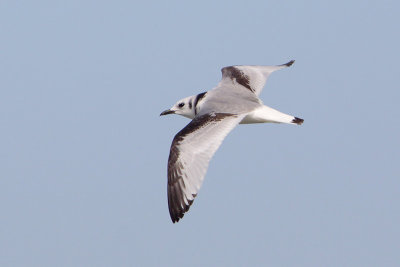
[267, 114]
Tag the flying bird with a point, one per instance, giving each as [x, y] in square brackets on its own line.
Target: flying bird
[214, 114]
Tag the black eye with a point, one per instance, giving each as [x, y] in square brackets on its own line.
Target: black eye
[181, 105]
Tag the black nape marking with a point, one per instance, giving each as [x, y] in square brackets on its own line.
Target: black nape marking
[197, 99]
[190, 104]
[235, 73]
[297, 120]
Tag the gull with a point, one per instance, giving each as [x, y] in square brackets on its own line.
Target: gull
[214, 114]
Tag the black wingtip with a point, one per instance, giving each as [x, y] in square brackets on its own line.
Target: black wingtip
[298, 121]
[176, 216]
[290, 63]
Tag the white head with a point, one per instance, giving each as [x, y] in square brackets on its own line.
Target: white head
[184, 107]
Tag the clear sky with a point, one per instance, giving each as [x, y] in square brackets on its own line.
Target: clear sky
[83, 151]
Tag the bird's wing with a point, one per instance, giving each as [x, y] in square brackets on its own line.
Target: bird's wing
[190, 154]
[251, 78]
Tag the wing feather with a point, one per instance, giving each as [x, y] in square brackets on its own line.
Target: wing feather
[190, 154]
[251, 78]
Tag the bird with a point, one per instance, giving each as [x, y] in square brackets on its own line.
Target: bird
[235, 100]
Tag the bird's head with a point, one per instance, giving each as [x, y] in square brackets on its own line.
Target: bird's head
[184, 107]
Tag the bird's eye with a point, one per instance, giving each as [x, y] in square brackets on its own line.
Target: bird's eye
[181, 105]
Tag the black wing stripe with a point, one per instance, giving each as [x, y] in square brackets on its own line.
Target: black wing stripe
[236, 74]
[176, 185]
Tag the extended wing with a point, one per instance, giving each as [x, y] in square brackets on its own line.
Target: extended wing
[190, 154]
[252, 78]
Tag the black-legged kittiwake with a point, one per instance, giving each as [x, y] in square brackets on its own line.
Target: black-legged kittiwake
[214, 114]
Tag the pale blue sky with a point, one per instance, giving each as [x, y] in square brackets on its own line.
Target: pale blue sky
[84, 151]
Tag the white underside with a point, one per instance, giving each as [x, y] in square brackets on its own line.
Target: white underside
[266, 114]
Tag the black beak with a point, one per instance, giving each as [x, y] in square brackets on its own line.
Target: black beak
[166, 112]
